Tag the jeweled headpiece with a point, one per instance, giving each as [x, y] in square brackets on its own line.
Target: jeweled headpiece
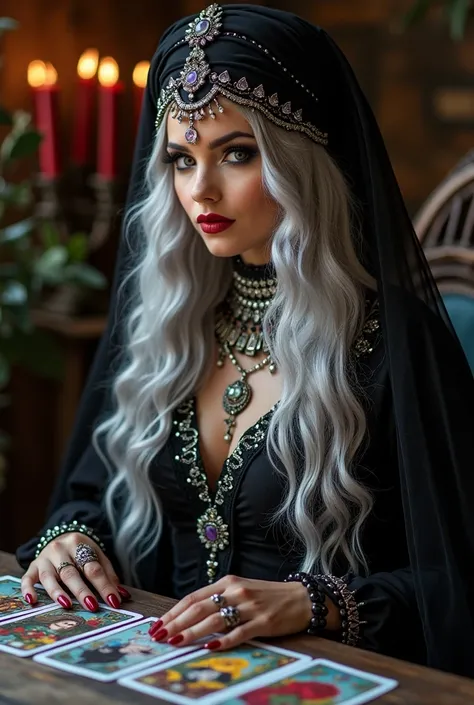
[197, 76]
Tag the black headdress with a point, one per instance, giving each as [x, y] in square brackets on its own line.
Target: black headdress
[294, 74]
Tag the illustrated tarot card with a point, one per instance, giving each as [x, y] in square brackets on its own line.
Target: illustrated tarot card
[210, 677]
[109, 656]
[36, 632]
[321, 681]
[12, 602]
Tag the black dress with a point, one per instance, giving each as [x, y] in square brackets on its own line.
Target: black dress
[258, 548]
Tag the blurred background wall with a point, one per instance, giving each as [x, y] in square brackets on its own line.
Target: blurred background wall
[419, 83]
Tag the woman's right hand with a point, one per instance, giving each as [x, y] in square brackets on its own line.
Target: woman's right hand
[99, 574]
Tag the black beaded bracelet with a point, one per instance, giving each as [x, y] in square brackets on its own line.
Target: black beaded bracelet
[338, 591]
[61, 529]
[318, 598]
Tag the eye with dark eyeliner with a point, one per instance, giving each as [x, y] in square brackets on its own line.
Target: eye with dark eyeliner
[248, 153]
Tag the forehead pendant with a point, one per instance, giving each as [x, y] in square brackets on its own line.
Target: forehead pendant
[204, 29]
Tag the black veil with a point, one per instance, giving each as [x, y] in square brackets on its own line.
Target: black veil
[432, 386]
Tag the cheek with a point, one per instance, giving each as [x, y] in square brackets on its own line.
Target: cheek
[249, 197]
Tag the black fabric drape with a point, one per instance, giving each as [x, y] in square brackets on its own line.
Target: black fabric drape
[433, 388]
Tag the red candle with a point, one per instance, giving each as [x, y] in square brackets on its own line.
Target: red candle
[140, 75]
[107, 136]
[86, 89]
[42, 78]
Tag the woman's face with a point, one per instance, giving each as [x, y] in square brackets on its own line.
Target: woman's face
[222, 174]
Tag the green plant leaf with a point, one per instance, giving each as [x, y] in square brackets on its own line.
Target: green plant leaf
[15, 232]
[19, 195]
[14, 294]
[85, 275]
[458, 14]
[21, 145]
[416, 13]
[77, 246]
[49, 234]
[5, 117]
[50, 265]
[7, 24]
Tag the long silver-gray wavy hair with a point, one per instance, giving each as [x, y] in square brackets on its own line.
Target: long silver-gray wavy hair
[318, 311]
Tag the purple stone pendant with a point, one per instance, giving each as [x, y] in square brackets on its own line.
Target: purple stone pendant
[214, 534]
[191, 135]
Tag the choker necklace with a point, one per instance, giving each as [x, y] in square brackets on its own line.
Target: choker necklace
[239, 318]
[239, 326]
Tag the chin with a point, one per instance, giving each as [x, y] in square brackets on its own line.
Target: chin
[223, 249]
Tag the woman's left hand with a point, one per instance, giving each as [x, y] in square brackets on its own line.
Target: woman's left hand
[266, 609]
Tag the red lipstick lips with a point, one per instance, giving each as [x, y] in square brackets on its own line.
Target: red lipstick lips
[213, 222]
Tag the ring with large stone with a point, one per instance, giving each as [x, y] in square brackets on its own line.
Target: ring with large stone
[62, 565]
[231, 616]
[218, 599]
[85, 554]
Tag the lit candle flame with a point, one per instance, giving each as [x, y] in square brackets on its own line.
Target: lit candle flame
[140, 73]
[51, 75]
[108, 72]
[41, 74]
[36, 73]
[87, 64]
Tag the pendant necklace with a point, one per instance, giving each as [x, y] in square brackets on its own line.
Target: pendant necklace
[239, 325]
[238, 395]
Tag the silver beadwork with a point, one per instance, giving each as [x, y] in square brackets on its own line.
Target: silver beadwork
[216, 538]
[66, 528]
[205, 28]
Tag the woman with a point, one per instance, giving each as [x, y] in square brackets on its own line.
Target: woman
[266, 232]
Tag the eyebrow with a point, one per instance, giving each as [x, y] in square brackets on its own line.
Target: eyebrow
[214, 143]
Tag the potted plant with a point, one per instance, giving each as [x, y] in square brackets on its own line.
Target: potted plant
[34, 258]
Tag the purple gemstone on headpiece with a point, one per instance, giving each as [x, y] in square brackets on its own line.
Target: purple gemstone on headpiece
[210, 532]
[192, 77]
[202, 27]
[191, 135]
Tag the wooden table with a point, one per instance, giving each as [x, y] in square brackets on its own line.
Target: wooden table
[23, 681]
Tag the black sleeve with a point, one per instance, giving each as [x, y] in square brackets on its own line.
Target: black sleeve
[388, 611]
[79, 497]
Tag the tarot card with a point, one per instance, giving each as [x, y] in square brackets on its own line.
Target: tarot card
[320, 682]
[12, 602]
[36, 632]
[109, 656]
[210, 677]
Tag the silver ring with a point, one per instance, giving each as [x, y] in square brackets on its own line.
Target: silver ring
[218, 599]
[85, 554]
[231, 616]
[62, 565]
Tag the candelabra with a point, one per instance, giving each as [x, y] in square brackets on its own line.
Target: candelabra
[78, 201]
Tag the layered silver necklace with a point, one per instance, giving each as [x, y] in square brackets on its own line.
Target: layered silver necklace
[239, 326]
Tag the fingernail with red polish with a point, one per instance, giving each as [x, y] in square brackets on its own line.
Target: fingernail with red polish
[159, 636]
[29, 599]
[91, 603]
[124, 593]
[155, 627]
[64, 602]
[213, 644]
[176, 640]
[113, 601]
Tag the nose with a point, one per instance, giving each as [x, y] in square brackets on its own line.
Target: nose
[205, 187]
